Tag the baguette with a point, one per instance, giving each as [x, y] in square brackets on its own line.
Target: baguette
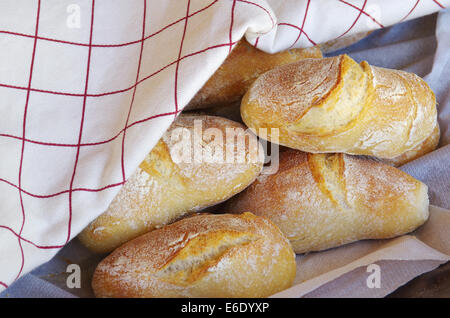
[164, 187]
[320, 201]
[337, 105]
[200, 256]
[244, 64]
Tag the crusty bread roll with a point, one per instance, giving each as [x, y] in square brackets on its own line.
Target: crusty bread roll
[244, 64]
[337, 105]
[428, 145]
[321, 201]
[200, 256]
[167, 185]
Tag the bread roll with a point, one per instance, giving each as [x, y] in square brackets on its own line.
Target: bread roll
[244, 64]
[421, 149]
[321, 201]
[200, 256]
[167, 185]
[337, 105]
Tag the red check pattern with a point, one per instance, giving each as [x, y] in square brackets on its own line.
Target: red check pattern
[80, 108]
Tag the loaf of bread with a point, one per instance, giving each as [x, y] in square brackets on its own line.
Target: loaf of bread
[244, 64]
[320, 201]
[200, 256]
[428, 145]
[337, 105]
[177, 178]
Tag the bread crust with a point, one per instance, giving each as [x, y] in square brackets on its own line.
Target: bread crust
[428, 145]
[320, 201]
[163, 189]
[336, 105]
[244, 64]
[200, 256]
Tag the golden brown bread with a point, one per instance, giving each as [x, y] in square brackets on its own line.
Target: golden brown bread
[337, 105]
[428, 145]
[167, 185]
[244, 64]
[321, 201]
[200, 256]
